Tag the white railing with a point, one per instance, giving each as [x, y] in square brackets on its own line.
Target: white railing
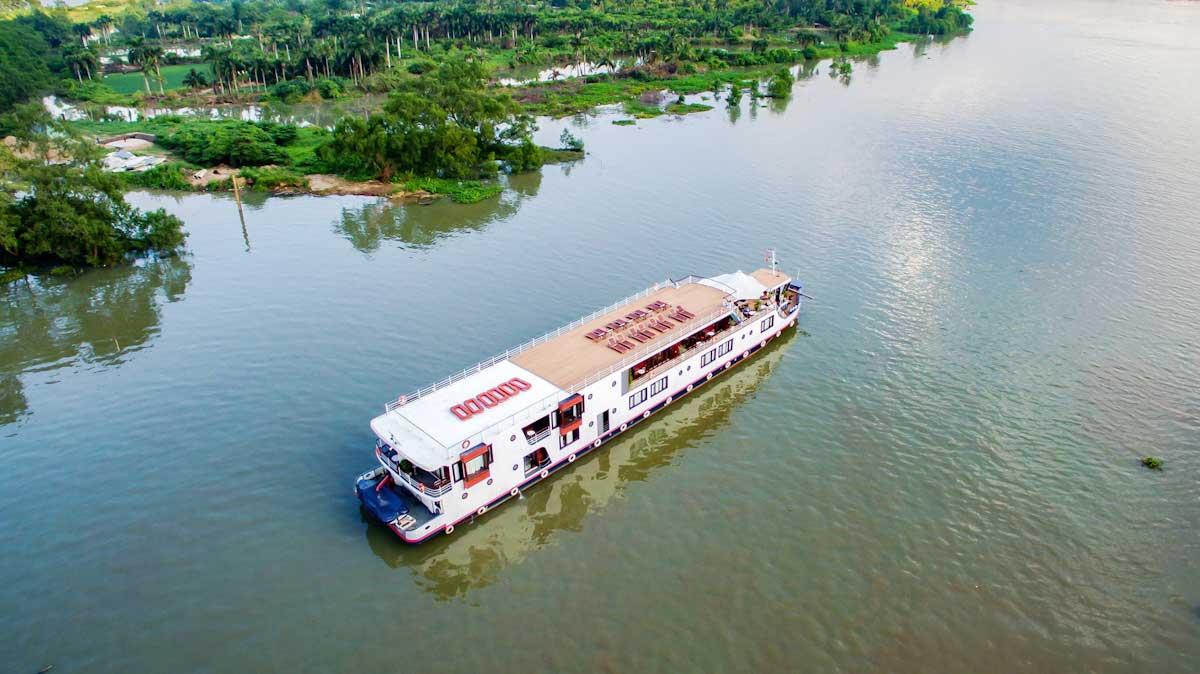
[482, 365]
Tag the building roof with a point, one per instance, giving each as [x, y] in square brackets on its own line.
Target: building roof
[570, 358]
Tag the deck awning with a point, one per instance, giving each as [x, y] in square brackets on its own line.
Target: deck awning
[739, 284]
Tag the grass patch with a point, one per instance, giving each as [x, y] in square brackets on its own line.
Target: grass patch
[687, 108]
[273, 179]
[131, 83]
[461, 191]
[169, 176]
[558, 155]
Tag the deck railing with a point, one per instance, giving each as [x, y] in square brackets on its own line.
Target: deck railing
[500, 357]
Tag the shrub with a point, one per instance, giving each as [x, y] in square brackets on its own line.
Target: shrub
[162, 177]
[421, 67]
[330, 88]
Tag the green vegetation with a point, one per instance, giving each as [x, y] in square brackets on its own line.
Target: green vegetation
[780, 84]
[445, 124]
[687, 108]
[169, 176]
[461, 191]
[1153, 463]
[58, 207]
[173, 78]
[625, 122]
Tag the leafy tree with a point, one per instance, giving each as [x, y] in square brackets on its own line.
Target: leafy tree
[59, 207]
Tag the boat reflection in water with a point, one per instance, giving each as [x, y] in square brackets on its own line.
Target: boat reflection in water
[452, 566]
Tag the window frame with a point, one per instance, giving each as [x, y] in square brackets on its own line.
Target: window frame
[640, 395]
[658, 386]
[766, 324]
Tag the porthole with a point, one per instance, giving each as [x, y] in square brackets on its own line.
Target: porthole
[464, 495]
[489, 481]
[589, 396]
[591, 423]
[614, 383]
[515, 466]
[681, 373]
[512, 438]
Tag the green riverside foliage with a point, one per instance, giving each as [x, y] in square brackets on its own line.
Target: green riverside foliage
[31, 59]
[70, 212]
[780, 85]
[461, 191]
[169, 176]
[445, 124]
[1153, 463]
[236, 143]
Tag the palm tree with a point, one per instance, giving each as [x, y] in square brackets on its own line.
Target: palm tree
[105, 24]
[83, 30]
[138, 57]
[195, 79]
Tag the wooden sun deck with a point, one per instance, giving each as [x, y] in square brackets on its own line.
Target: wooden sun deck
[572, 357]
[770, 279]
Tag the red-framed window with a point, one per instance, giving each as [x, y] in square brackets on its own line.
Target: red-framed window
[475, 464]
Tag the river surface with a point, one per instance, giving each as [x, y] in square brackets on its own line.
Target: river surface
[939, 473]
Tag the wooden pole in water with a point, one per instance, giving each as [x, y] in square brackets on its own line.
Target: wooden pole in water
[237, 196]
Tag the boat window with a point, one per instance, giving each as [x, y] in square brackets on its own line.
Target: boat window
[537, 430]
[658, 386]
[537, 459]
[766, 324]
[567, 439]
[725, 348]
[475, 464]
[708, 357]
[637, 398]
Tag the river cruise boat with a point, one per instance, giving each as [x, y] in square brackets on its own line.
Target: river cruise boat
[451, 452]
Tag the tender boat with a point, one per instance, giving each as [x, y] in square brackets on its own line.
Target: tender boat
[451, 452]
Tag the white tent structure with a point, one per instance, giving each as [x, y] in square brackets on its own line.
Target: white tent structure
[740, 284]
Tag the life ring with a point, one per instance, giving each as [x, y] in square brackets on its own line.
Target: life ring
[482, 510]
[570, 458]
[646, 414]
[624, 426]
[466, 443]
[449, 529]
[520, 384]
[545, 473]
[460, 412]
[514, 491]
[596, 443]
